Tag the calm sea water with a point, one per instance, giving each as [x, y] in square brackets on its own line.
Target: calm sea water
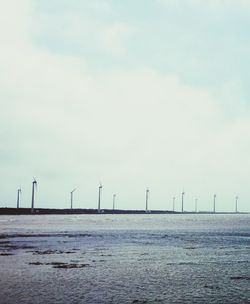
[125, 259]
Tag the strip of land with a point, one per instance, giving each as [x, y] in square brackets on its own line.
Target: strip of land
[23, 211]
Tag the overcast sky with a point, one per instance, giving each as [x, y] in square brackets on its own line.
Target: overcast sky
[135, 94]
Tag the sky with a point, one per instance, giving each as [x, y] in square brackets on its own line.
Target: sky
[134, 94]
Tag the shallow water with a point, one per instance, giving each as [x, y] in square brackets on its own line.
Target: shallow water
[125, 259]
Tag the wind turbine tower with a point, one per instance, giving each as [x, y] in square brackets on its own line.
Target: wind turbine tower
[114, 197]
[71, 198]
[147, 194]
[173, 203]
[236, 204]
[34, 187]
[19, 191]
[99, 198]
[182, 201]
[214, 203]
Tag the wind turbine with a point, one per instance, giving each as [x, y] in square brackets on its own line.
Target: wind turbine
[173, 203]
[147, 194]
[71, 198]
[99, 198]
[196, 201]
[214, 202]
[34, 187]
[19, 191]
[236, 204]
[114, 197]
[182, 201]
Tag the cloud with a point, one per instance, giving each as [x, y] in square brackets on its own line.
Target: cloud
[84, 28]
[114, 38]
[131, 128]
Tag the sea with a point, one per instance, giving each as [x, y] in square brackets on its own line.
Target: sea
[143, 258]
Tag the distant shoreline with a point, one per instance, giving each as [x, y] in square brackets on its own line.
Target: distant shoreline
[41, 211]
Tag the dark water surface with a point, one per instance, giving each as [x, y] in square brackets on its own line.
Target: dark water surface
[125, 259]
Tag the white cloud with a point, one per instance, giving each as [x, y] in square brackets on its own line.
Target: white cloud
[84, 29]
[114, 38]
[137, 127]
